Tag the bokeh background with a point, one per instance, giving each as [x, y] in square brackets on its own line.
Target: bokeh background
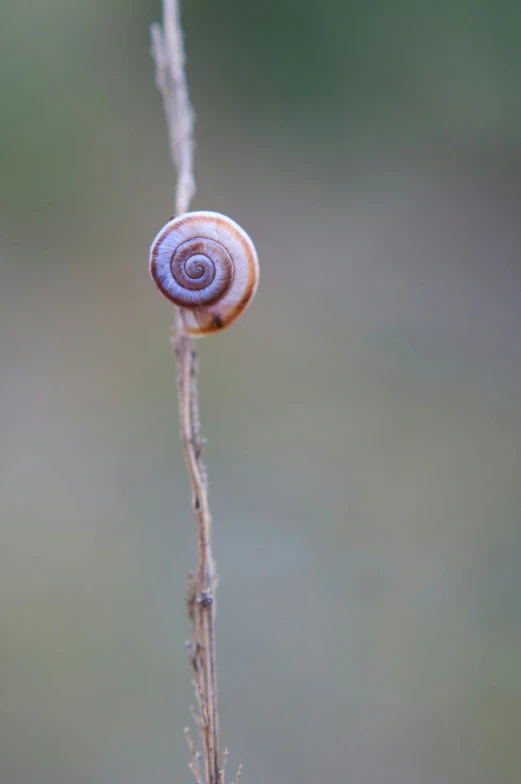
[363, 417]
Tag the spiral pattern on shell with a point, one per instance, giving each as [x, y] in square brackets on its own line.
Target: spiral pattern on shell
[206, 264]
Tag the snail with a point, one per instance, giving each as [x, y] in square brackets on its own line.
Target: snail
[206, 264]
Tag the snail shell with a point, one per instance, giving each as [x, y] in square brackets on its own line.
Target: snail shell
[206, 264]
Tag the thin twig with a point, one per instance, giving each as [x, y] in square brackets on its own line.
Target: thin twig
[168, 53]
[169, 56]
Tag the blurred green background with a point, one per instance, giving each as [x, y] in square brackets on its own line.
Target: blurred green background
[363, 417]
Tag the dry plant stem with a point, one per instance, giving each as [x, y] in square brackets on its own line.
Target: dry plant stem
[168, 54]
[201, 587]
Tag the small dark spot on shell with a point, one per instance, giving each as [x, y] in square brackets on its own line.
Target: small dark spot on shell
[205, 599]
[217, 321]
